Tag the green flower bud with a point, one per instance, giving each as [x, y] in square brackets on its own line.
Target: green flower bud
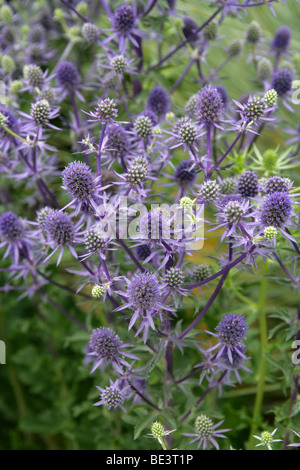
[270, 97]
[6, 14]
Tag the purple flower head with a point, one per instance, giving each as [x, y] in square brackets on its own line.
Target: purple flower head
[106, 347]
[79, 181]
[151, 115]
[231, 331]
[59, 228]
[117, 141]
[143, 251]
[11, 227]
[248, 184]
[41, 216]
[106, 111]
[67, 75]
[276, 210]
[206, 432]
[189, 28]
[210, 106]
[185, 173]
[282, 81]
[209, 191]
[158, 101]
[143, 126]
[144, 292]
[10, 121]
[113, 396]
[282, 39]
[94, 240]
[238, 359]
[223, 93]
[276, 184]
[124, 19]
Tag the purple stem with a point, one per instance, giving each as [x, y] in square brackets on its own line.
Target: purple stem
[228, 151]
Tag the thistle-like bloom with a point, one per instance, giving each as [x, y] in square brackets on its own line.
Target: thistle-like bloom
[231, 331]
[12, 235]
[158, 101]
[106, 111]
[95, 242]
[60, 232]
[276, 210]
[158, 431]
[209, 192]
[206, 432]
[67, 75]
[248, 184]
[79, 182]
[143, 252]
[234, 214]
[281, 39]
[123, 23]
[105, 347]
[90, 32]
[282, 81]
[186, 173]
[201, 272]
[277, 183]
[210, 108]
[236, 364]
[113, 396]
[144, 297]
[266, 439]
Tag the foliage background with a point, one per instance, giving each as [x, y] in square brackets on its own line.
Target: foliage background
[46, 390]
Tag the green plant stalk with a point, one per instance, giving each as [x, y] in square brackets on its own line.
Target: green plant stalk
[261, 307]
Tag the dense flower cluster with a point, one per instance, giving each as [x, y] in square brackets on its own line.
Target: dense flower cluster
[162, 166]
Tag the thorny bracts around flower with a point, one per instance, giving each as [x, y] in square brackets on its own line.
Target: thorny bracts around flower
[109, 146]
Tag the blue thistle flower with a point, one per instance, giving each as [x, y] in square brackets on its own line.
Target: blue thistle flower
[67, 75]
[189, 28]
[282, 81]
[105, 347]
[206, 432]
[276, 184]
[113, 396]
[80, 183]
[59, 228]
[231, 331]
[186, 173]
[143, 251]
[144, 292]
[282, 39]
[276, 210]
[210, 107]
[124, 19]
[158, 101]
[248, 184]
[117, 143]
[11, 228]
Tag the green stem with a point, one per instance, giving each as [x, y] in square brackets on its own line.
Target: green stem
[261, 307]
[14, 134]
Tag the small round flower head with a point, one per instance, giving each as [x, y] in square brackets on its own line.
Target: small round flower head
[233, 212]
[235, 47]
[124, 19]
[6, 14]
[266, 439]
[67, 75]
[248, 184]
[98, 291]
[209, 191]
[41, 216]
[8, 119]
[209, 106]
[254, 108]
[189, 28]
[210, 31]
[158, 101]
[276, 183]
[143, 251]
[47, 94]
[228, 185]
[185, 174]
[82, 8]
[106, 110]
[201, 272]
[36, 34]
[11, 227]
[191, 104]
[112, 396]
[174, 278]
[231, 331]
[186, 203]
[137, 172]
[270, 97]
[90, 32]
[157, 430]
[276, 210]
[144, 292]
[187, 132]
[143, 126]
[151, 115]
[105, 344]
[119, 64]
[117, 140]
[264, 69]
[8, 64]
[79, 181]
[253, 32]
[206, 432]
[282, 39]
[35, 53]
[40, 112]
[270, 233]
[282, 81]
[94, 240]
[59, 228]
[16, 86]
